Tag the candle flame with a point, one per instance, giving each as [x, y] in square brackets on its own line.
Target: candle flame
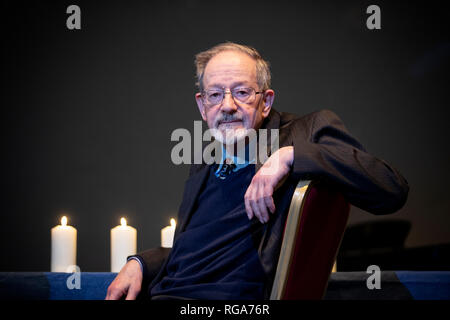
[173, 222]
[123, 222]
[64, 221]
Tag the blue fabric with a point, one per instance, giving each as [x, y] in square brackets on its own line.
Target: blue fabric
[216, 256]
[430, 285]
[93, 285]
[423, 285]
[239, 163]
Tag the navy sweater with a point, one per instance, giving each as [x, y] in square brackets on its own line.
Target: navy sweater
[216, 256]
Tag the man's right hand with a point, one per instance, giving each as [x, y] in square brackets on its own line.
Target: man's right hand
[127, 283]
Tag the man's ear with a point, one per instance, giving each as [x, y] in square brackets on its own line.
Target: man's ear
[201, 106]
[268, 97]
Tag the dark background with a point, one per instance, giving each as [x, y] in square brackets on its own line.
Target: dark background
[87, 114]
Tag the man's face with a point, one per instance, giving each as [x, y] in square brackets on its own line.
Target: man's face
[231, 69]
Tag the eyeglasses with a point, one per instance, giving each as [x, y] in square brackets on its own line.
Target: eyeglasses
[213, 97]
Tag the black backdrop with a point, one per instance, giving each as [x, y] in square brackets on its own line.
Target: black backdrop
[87, 114]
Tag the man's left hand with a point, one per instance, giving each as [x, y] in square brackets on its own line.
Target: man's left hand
[258, 198]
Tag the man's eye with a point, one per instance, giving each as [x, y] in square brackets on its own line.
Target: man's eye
[214, 94]
[241, 93]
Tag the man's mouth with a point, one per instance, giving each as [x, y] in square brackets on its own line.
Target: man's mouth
[229, 121]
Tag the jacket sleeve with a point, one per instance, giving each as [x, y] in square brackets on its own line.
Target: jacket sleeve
[151, 261]
[329, 152]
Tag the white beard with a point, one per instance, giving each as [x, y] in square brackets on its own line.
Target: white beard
[230, 136]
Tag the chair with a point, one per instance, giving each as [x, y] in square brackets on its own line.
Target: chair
[314, 228]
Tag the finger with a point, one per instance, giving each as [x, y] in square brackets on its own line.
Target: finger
[268, 198]
[263, 209]
[248, 207]
[133, 292]
[262, 205]
[108, 293]
[256, 211]
[116, 294]
[254, 204]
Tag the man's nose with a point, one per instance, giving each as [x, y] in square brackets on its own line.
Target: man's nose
[228, 104]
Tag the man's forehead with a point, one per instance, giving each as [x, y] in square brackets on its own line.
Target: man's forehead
[230, 67]
[227, 75]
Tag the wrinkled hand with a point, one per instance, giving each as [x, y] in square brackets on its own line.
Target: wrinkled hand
[127, 283]
[258, 198]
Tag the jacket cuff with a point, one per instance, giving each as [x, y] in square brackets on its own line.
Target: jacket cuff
[140, 260]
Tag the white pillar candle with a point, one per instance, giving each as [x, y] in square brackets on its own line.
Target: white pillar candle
[167, 234]
[123, 244]
[64, 247]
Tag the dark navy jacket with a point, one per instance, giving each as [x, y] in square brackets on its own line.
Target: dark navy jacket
[323, 150]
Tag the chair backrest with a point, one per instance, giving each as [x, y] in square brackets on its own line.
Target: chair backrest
[315, 225]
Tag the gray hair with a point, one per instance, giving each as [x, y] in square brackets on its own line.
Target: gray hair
[263, 76]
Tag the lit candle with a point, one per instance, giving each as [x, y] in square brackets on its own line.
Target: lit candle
[64, 247]
[167, 234]
[123, 244]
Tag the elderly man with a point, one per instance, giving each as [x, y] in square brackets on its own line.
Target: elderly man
[231, 217]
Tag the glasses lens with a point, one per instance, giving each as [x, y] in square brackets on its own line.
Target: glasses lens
[244, 94]
[214, 97]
